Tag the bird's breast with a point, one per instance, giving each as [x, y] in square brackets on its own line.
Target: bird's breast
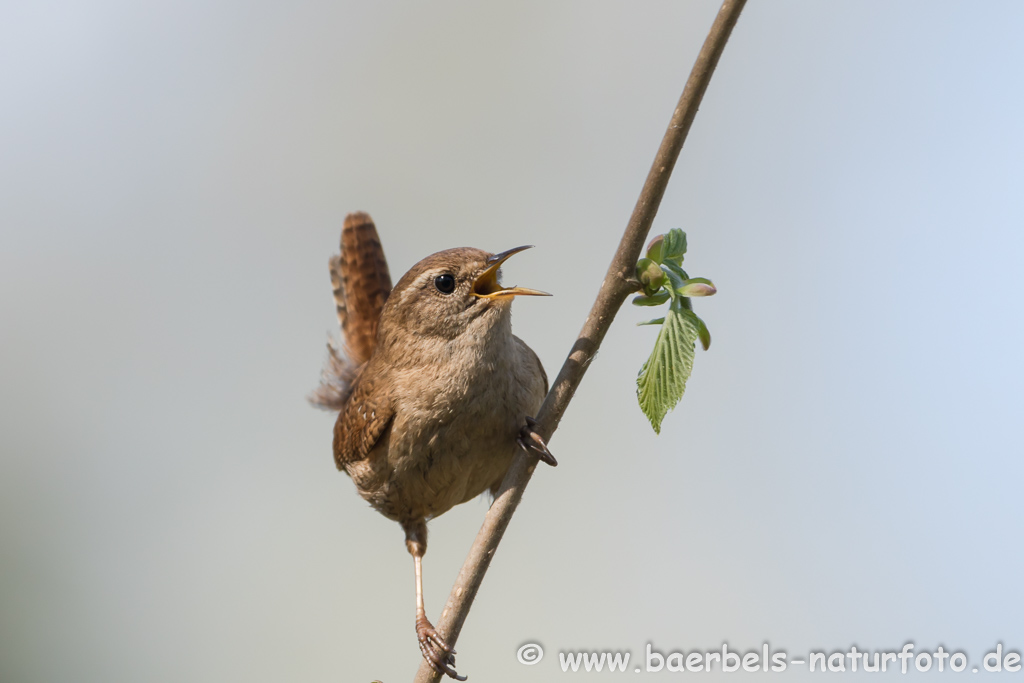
[456, 423]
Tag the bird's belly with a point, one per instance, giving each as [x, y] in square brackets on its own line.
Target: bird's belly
[435, 464]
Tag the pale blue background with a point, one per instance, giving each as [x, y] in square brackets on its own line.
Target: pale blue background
[845, 467]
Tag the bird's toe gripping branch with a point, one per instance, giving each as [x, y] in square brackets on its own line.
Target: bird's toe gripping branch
[435, 650]
[531, 442]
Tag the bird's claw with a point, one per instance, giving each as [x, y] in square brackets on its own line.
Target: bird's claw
[531, 442]
[437, 653]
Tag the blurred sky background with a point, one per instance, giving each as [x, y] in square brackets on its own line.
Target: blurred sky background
[844, 469]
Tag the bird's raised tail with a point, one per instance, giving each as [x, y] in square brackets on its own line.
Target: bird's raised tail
[361, 284]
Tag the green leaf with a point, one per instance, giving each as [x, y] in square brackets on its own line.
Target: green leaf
[653, 300]
[702, 330]
[662, 379]
[678, 276]
[674, 247]
[656, 321]
[705, 335]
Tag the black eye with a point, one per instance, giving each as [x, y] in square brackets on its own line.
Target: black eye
[445, 283]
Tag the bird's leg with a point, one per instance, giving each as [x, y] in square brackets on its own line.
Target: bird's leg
[434, 649]
[532, 442]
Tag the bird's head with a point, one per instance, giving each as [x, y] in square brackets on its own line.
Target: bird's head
[449, 293]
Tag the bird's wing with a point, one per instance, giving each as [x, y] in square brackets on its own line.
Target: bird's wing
[364, 419]
[530, 353]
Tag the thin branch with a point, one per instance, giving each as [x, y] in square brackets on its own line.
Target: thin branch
[613, 293]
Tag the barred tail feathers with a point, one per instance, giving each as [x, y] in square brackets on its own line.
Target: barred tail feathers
[361, 283]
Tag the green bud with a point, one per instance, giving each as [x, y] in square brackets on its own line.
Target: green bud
[655, 299]
[654, 248]
[650, 275]
[698, 286]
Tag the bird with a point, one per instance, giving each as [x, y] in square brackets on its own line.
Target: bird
[435, 395]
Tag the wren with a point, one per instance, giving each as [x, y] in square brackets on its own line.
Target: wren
[435, 394]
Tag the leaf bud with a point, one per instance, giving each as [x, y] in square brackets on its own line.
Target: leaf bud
[650, 275]
[698, 286]
[654, 248]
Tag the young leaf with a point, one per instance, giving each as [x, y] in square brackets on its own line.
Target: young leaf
[653, 300]
[676, 278]
[675, 269]
[702, 330]
[662, 379]
[656, 321]
[674, 247]
[705, 335]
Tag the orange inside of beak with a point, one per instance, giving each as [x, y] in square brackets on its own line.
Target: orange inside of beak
[486, 285]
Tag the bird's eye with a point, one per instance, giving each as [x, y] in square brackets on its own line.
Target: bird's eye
[445, 283]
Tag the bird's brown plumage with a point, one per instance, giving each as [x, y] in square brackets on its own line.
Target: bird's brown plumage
[433, 416]
[361, 283]
[434, 392]
[365, 283]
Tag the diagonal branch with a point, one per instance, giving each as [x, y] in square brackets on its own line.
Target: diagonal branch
[613, 293]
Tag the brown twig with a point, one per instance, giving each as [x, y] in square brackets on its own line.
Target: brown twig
[613, 293]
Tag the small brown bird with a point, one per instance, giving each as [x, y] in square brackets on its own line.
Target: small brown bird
[435, 393]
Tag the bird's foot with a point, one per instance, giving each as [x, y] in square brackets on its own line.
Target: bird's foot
[437, 653]
[532, 442]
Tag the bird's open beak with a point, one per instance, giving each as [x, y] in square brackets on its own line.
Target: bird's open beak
[486, 285]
